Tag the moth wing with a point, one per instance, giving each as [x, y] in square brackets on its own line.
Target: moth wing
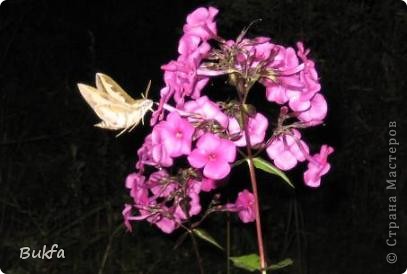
[114, 90]
[93, 96]
[100, 102]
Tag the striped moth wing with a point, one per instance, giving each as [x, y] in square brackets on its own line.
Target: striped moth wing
[116, 109]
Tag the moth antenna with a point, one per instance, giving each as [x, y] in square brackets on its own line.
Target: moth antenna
[121, 132]
[147, 89]
[132, 127]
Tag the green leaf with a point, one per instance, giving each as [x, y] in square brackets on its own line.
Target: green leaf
[204, 235]
[268, 167]
[249, 262]
[281, 264]
[241, 161]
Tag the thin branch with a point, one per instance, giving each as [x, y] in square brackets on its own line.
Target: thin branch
[228, 243]
[198, 256]
[108, 247]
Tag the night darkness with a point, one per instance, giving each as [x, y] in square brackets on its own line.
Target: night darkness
[62, 180]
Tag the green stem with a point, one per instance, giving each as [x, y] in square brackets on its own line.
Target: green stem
[253, 180]
[228, 243]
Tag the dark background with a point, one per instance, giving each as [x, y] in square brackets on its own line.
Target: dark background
[62, 179]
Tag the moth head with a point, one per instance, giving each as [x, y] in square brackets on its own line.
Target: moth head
[148, 104]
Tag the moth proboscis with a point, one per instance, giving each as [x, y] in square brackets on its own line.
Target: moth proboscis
[117, 109]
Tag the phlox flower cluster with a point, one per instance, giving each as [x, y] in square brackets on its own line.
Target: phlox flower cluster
[195, 141]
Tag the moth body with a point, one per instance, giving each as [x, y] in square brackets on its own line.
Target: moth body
[116, 109]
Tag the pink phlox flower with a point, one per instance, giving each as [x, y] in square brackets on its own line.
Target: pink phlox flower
[182, 80]
[284, 68]
[214, 155]
[262, 49]
[158, 150]
[180, 77]
[136, 183]
[167, 225]
[156, 213]
[126, 216]
[160, 184]
[144, 154]
[190, 48]
[316, 112]
[244, 206]
[300, 101]
[251, 53]
[188, 44]
[255, 52]
[201, 23]
[176, 135]
[164, 220]
[208, 184]
[205, 109]
[194, 205]
[158, 114]
[286, 150]
[309, 75]
[318, 166]
[257, 127]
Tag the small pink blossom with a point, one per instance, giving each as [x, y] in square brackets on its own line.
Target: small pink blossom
[201, 23]
[296, 102]
[287, 150]
[261, 49]
[160, 184]
[284, 67]
[193, 191]
[188, 44]
[244, 206]
[257, 127]
[206, 110]
[276, 93]
[144, 154]
[180, 77]
[309, 75]
[191, 49]
[167, 225]
[318, 166]
[213, 154]
[316, 112]
[194, 187]
[126, 216]
[158, 114]
[208, 184]
[252, 52]
[135, 182]
[158, 150]
[176, 133]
